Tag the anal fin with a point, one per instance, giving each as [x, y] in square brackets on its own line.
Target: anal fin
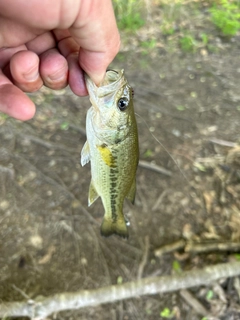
[92, 195]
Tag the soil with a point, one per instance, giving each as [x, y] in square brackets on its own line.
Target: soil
[49, 238]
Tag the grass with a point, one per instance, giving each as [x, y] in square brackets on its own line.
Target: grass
[191, 26]
[167, 313]
[188, 43]
[128, 15]
[148, 45]
[226, 17]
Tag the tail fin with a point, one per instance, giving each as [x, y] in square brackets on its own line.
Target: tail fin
[109, 227]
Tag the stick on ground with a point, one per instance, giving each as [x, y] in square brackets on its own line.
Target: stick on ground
[86, 298]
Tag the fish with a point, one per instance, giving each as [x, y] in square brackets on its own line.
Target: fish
[112, 149]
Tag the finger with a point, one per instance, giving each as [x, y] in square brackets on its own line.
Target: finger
[13, 101]
[44, 14]
[24, 67]
[13, 33]
[70, 49]
[66, 43]
[42, 43]
[54, 69]
[7, 53]
[49, 67]
[21, 21]
[96, 32]
[76, 76]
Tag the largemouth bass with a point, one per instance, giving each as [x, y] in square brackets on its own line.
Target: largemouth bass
[112, 148]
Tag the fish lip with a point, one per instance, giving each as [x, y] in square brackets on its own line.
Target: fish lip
[117, 71]
[103, 90]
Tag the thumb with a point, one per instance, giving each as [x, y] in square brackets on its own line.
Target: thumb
[95, 30]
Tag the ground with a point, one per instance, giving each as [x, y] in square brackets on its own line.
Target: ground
[187, 103]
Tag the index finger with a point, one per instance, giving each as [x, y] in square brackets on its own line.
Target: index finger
[13, 101]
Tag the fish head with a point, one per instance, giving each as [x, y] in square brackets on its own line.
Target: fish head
[112, 103]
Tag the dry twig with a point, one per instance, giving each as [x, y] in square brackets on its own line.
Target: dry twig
[205, 247]
[197, 247]
[193, 302]
[86, 298]
[223, 142]
[160, 199]
[46, 144]
[154, 167]
[178, 245]
[144, 258]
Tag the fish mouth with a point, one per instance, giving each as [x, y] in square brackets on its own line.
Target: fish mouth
[111, 76]
[113, 80]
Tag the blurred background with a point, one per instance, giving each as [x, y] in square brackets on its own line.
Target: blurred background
[182, 59]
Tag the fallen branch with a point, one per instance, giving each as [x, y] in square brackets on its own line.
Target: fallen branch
[193, 302]
[144, 258]
[197, 247]
[168, 248]
[46, 144]
[211, 247]
[223, 142]
[86, 298]
[154, 167]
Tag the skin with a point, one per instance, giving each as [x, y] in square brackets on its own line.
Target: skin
[51, 43]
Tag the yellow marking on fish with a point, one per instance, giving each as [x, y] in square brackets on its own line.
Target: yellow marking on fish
[106, 155]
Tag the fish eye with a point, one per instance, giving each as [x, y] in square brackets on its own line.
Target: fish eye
[122, 104]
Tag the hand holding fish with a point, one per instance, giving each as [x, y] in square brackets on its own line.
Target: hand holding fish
[51, 43]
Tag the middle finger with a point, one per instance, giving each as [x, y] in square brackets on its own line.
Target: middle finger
[54, 69]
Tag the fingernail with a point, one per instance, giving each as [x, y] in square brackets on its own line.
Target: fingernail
[32, 74]
[97, 79]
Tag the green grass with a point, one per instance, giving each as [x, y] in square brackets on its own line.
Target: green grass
[167, 313]
[176, 267]
[226, 17]
[204, 38]
[178, 25]
[209, 295]
[188, 43]
[171, 16]
[181, 24]
[129, 14]
[148, 45]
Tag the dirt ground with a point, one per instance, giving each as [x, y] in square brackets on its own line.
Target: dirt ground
[49, 238]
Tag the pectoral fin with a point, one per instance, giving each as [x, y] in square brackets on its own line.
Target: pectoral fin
[92, 195]
[132, 192]
[85, 154]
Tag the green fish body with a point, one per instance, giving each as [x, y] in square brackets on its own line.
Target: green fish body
[112, 148]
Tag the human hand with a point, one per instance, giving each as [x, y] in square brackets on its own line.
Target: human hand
[52, 42]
